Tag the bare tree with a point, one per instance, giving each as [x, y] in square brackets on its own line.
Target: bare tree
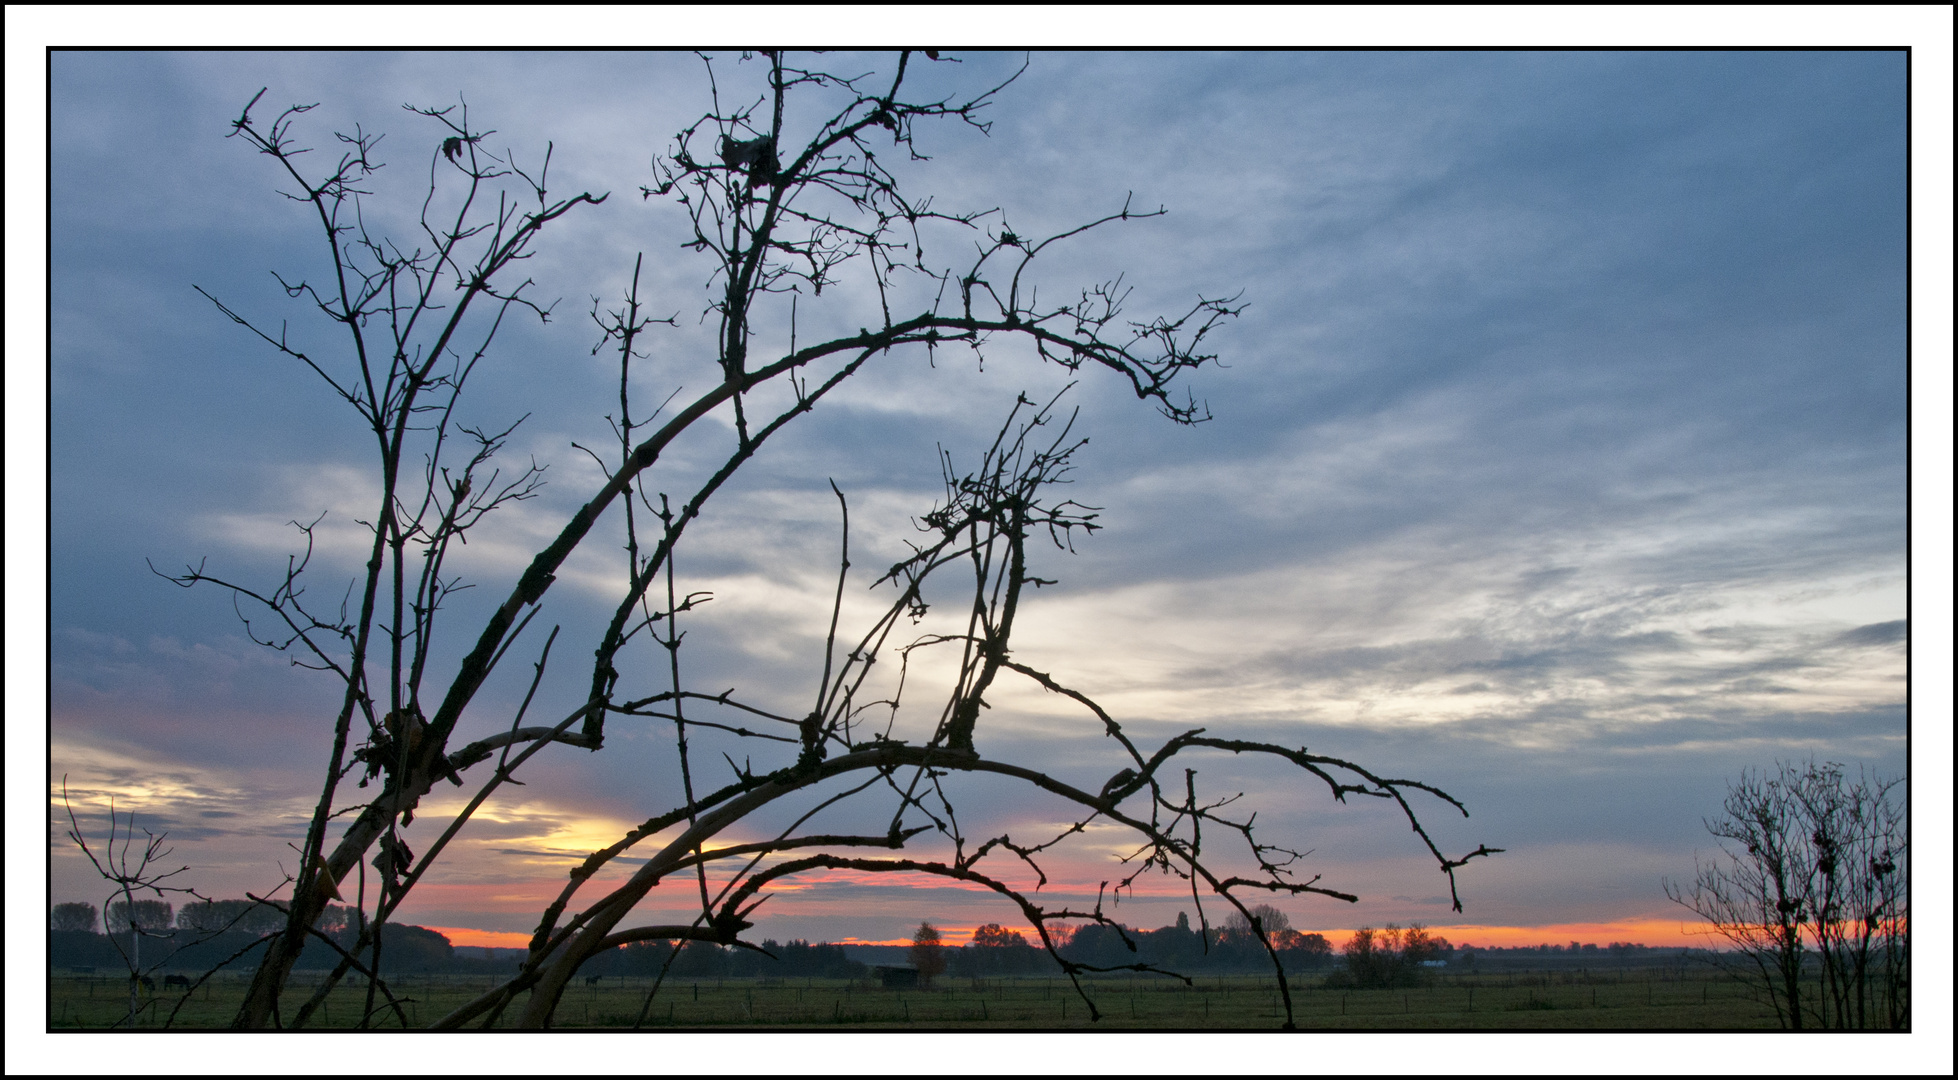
[1813, 896]
[130, 870]
[785, 205]
[927, 953]
[1388, 957]
[147, 915]
[1259, 917]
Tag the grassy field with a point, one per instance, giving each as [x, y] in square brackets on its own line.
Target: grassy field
[1634, 1000]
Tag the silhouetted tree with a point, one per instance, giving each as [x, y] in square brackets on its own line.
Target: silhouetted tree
[149, 915]
[995, 950]
[1816, 864]
[1366, 964]
[1388, 957]
[243, 916]
[995, 936]
[1103, 946]
[417, 949]
[210, 915]
[1310, 950]
[784, 205]
[1175, 947]
[1247, 924]
[927, 953]
[73, 918]
[1418, 946]
[335, 919]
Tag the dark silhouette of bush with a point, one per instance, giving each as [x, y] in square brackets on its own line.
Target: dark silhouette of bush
[927, 953]
[1387, 958]
[1305, 951]
[1175, 947]
[1101, 946]
[795, 959]
[413, 950]
[997, 951]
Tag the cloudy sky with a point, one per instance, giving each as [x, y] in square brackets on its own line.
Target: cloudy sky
[1558, 458]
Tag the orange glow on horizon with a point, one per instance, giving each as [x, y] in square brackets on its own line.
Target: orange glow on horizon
[948, 936]
[491, 939]
[495, 901]
[1657, 933]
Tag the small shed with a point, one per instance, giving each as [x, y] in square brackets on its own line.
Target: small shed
[897, 977]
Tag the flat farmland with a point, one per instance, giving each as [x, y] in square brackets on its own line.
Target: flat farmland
[1634, 1000]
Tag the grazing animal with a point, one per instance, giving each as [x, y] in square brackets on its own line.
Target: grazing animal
[148, 983]
[592, 980]
[177, 980]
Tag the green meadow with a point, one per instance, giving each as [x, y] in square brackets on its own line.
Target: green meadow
[1637, 999]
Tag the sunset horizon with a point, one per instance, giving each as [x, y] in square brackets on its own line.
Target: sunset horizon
[1648, 933]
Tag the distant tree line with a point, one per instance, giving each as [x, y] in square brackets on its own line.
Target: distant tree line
[1182, 948]
[200, 916]
[1617, 948]
[993, 952]
[206, 934]
[203, 934]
